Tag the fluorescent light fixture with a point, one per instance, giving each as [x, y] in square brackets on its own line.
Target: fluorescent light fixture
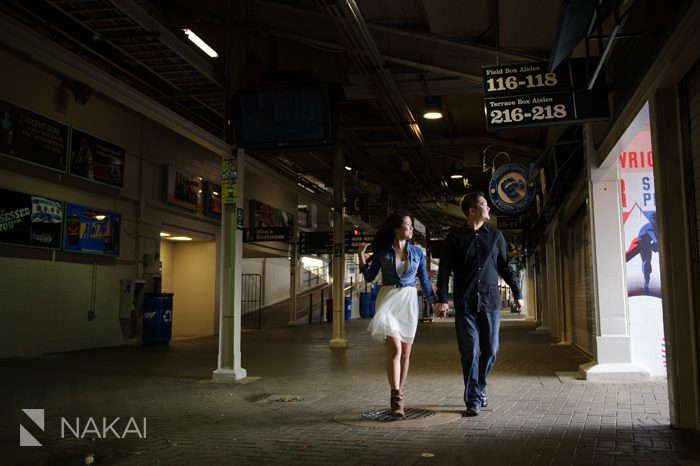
[215, 193]
[100, 217]
[164, 234]
[348, 168]
[455, 177]
[180, 238]
[200, 43]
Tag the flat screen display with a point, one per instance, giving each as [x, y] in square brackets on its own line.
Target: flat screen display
[283, 117]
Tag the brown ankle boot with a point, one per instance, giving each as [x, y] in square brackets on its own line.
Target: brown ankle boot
[397, 403]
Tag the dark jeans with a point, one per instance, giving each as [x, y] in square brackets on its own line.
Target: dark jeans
[477, 337]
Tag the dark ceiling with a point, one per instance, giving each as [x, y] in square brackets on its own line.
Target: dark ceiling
[387, 56]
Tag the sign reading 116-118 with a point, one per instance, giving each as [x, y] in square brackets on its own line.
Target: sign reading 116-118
[528, 94]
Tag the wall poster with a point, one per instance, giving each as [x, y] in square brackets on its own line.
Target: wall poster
[31, 137]
[96, 159]
[182, 189]
[91, 230]
[29, 220]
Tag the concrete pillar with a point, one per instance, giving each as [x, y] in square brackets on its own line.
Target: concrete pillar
[613, 342]
[229, 362]
[338, 339]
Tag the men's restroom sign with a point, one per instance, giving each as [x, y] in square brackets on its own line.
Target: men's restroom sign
[510, 189]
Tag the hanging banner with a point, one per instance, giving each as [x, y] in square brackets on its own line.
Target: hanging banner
[28, 220]
[31, 137]
[636, 168]
[91, 231]
[96, 159]
[509, 189]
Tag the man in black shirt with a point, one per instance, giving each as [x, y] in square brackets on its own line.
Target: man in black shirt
[476, 253]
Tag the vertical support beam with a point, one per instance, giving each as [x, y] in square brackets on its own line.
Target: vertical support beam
[613, 342]
[338, 339]
[673, 180]
[293, 277]
[229, 363]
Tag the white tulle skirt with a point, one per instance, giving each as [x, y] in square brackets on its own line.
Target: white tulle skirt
[396, 314]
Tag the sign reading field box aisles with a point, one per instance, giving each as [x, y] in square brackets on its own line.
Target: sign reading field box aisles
[527, 95]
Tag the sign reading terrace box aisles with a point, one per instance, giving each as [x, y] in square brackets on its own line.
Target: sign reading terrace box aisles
[527, 95]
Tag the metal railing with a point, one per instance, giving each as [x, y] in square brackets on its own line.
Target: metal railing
[251, 300]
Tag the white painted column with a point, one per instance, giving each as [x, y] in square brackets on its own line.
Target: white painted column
[229, 363]
[613, 342]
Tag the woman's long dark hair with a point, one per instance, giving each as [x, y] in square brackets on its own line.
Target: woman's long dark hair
[384, 237]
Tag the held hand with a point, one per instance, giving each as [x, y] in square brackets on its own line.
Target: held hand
[519, 304]
[440, 309]
[362, 253]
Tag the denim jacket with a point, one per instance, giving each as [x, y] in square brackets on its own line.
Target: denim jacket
[416, 267]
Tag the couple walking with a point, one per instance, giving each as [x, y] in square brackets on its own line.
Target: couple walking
[476, 254]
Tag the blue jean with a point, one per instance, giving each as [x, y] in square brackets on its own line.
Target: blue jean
[477, 338]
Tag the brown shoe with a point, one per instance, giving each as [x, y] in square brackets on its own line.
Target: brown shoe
[397, 403]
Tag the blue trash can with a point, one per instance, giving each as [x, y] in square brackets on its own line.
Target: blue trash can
[157, 318]
[348, 308]
[365, 304]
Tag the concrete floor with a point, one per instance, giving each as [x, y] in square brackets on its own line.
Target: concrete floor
[286, 416]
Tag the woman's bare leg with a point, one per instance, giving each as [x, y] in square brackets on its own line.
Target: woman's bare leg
[393, 362]
[405, 359]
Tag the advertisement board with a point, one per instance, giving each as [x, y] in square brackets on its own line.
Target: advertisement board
[96, 159]
[31, 137]
[29, 220]
[92, 231]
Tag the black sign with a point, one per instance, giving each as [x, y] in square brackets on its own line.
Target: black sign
[254, 235]
[321, 242]
[548, 109]
[357, 204]
[508, 223]
[533, 78]
[32, 137]
[315, 242]
[30, 220]
[96, 159]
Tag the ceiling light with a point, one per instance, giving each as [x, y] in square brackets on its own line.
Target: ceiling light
[200, 43]
[180, 238]
[100, 217]
[432, 108]
[348, 168]
[164, 234]
[455, 177]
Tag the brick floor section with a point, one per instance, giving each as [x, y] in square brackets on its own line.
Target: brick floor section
[533, 417]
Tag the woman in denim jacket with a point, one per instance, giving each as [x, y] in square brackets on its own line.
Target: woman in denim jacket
[397, 314]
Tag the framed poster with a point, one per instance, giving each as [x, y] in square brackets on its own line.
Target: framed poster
[212, 199]
[264, 215]
[182, 189]
[92, 231]
[28, 220]
[96, 159]
[31, 137]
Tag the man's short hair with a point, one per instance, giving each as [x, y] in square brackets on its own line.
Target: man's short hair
[470, 200]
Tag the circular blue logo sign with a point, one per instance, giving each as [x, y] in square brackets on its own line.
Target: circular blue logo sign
[509, 189]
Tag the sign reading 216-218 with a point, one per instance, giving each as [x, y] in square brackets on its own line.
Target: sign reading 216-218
[510, 189]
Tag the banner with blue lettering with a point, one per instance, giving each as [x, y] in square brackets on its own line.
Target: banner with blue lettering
[636, 168]
[29, 220]
[91, 231]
